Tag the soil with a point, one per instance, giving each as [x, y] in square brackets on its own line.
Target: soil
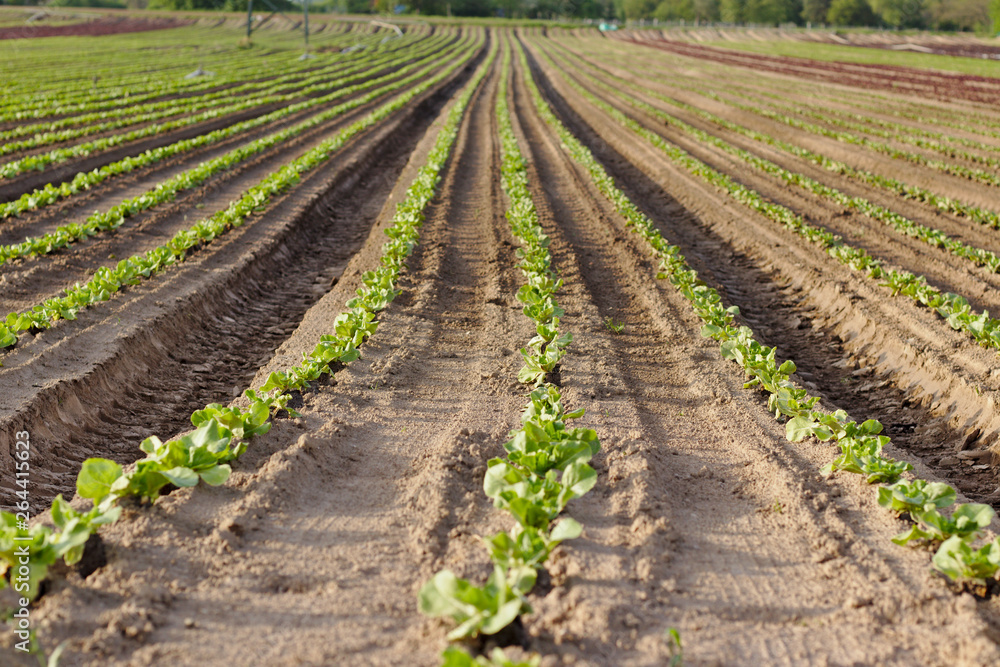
[106, 25]
[917, 82]
[705, 519]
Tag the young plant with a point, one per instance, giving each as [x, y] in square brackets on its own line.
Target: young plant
[961, 562]
[614, 327]
[916, 496]
[456, 657]
[477, 610]
[966, 522]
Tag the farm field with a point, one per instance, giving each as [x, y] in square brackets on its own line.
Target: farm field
[495, 345]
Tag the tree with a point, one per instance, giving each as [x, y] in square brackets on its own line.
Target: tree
[851, 12]
[673, 10]
[902, 13]
[708, 10]
[732, 11]
[960, 14]
[638, 9]
[815, 11]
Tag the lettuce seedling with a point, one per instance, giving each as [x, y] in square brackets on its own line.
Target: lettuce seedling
[966, 522]
[182, 462]
[41, 549]
[241, 423]
[75, 528]
[962, 562]
[541, 357]
[456, 657]
[538, 451]
[530, 546]
[917, 495]
[485, 610]
[862, 454]
[534, 500]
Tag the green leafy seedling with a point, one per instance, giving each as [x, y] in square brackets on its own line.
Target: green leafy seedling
[918, 495]
[966, 522]
[456, 657]
[673, 637]
[615, 327]
[485, 610]
[962, 562]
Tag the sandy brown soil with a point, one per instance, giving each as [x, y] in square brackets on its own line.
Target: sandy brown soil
[705, 518]
[921, 83]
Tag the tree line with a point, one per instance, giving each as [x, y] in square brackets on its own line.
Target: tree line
[977, 15]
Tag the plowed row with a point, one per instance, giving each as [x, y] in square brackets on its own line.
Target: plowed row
[705, 518]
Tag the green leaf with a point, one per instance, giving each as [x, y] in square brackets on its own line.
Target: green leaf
[215, 475]
[579, 478]
[799, 428]
[566, 529]
[181, 476]
[96, 477]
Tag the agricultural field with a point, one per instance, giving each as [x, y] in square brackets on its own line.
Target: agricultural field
[483, 344]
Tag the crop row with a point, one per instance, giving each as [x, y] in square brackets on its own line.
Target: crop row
[913, 192]
[221, 433]
[85, 180]
[59, 155]
[916, 193]
[265, 79]
[143, 90]
[903, 134]
[547, 461]
[736, 89]
[66, 235]
[899, 223]
[124, 60]
[954, 308]
[899, 131]
[781, 90]
[970, 173]
[106, 281]
[74, 127]
[861, 444]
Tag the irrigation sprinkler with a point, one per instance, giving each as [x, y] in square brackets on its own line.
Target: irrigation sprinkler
[305, 23]
[199, 73]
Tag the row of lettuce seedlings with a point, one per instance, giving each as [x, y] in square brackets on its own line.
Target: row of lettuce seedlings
[40, 161]
[906, 190]
[106, 281]
[84, 180]
[112, 218]
[280, 89]
[955, 309]
[877, 212]
[222, 432]
[546, 462]
[954, 536]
